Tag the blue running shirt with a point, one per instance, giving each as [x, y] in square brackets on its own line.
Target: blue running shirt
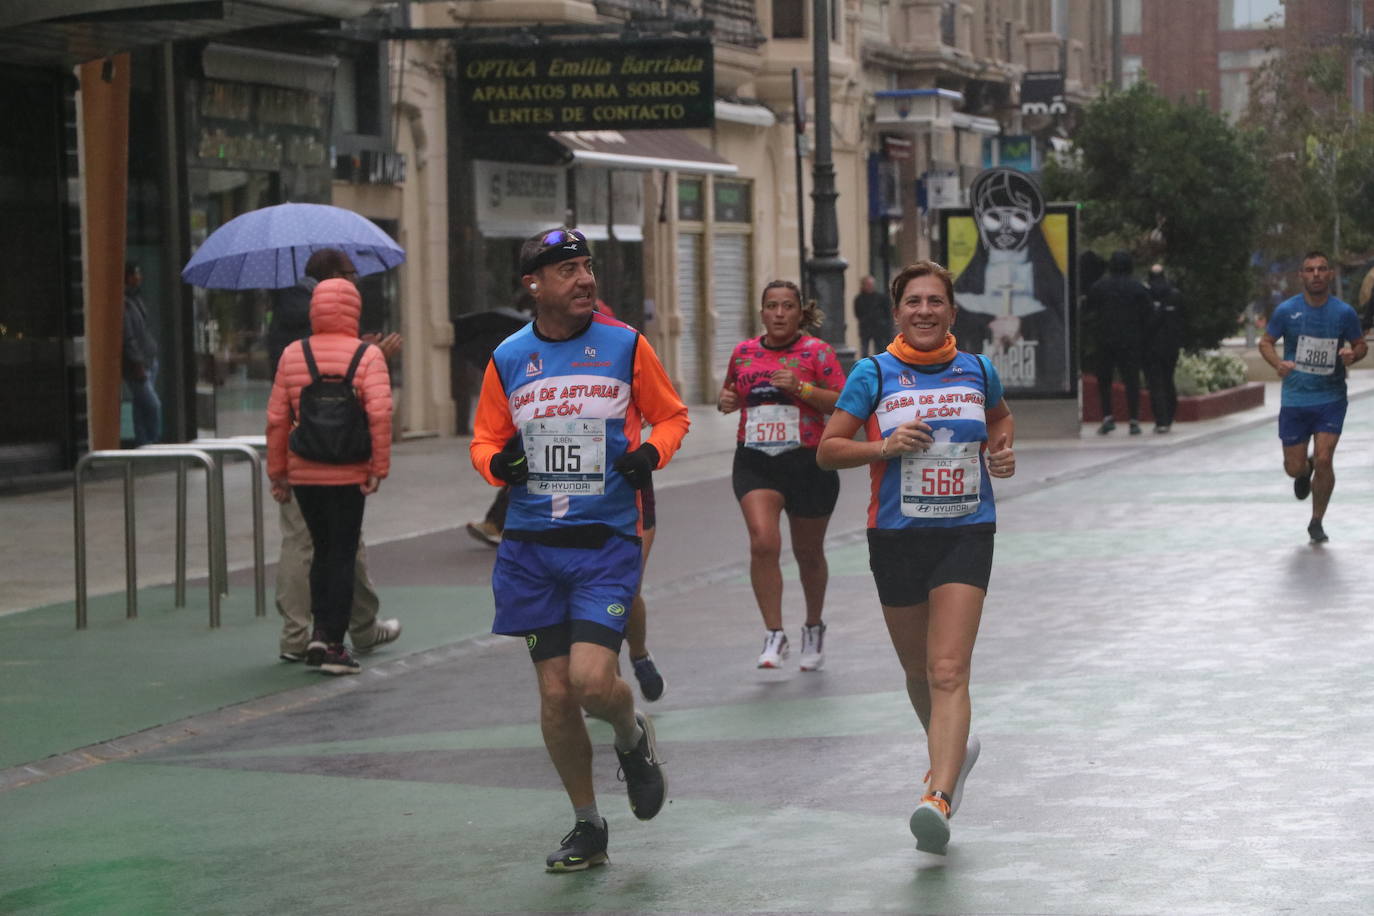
[1312, 335]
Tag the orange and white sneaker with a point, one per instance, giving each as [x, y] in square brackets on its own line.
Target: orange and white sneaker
[971, 752]
[930, 823]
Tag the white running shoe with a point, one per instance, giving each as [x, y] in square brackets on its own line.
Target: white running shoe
[813, 647]
[774, 649]
[971, 752]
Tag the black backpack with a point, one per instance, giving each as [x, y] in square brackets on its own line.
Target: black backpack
[332, 426]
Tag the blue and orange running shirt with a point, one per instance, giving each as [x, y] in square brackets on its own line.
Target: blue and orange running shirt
[772, 420]
[947, 485]
[576, 405]
[1312, 337]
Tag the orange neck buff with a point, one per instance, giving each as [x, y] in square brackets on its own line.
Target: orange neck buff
[912, 356]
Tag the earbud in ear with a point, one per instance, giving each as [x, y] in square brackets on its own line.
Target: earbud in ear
[534, 286]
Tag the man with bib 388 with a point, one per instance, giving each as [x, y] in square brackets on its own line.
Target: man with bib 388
[559, 419]
[1321, 337]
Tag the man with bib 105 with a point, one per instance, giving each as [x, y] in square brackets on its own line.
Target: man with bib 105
[1321, 337]
[937, 429]
[559, 420]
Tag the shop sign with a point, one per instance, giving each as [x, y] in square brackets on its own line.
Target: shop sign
[1012, 152]
[518, 200]
[601, 85]
[942, 189]
[1042, 92]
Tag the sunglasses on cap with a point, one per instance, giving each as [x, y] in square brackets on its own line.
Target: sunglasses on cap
[554, 246]
[559, 236]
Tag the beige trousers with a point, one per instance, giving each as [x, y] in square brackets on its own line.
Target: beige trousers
[293, 587]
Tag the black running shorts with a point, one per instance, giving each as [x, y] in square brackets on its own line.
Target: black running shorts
[807, 490]
[908, 562]
[551, 642]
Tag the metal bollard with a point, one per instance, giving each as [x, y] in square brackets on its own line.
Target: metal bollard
[218, 449]
[214, 525]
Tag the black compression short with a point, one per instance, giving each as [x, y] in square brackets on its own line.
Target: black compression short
[807, 490]
[908, 562]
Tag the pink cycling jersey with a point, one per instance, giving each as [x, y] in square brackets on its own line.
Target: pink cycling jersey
[809, 358]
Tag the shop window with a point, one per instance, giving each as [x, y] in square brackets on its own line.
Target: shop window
[691, 204]
[734, 202]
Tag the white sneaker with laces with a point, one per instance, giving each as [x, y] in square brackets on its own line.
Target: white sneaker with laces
[387, 631]
[775, 649]
[813, 647]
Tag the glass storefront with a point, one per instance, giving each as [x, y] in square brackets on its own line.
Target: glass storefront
[249, 146]
[40, 312]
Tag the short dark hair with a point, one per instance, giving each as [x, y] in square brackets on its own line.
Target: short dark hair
[328, 264]
[921, 269]
[1317, 253]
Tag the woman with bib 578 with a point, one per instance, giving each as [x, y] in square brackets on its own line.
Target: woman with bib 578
[784, 382]
[937, 428]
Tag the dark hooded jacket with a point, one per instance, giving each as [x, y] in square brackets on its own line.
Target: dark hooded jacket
[1118, 306]
[1166, 317]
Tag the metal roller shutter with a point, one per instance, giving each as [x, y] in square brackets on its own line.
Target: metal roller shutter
[689, 361]
[730, 289]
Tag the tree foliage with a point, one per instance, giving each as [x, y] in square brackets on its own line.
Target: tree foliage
[1319, 154]
[1173, 182]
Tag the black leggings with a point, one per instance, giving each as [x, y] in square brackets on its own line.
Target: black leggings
[334, 516]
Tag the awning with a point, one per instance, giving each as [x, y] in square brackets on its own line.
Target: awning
[643, 149]
[68, 32]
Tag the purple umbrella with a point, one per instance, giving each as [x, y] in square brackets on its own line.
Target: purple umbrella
[268, 248]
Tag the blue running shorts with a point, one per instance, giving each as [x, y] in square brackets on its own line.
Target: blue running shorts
[538, 586]
[1298, 424]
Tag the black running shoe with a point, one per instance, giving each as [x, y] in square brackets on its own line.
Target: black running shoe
[651, 682]
[1302, 485]
[583, 847]
[336, 660]
[645, 781]
[314, 653]
[1317, 533]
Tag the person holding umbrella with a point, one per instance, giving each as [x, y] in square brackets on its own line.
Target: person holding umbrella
[330, 478]
[290, 322]
[290, 248]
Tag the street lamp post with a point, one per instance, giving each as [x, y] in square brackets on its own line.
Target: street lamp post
[826, 267]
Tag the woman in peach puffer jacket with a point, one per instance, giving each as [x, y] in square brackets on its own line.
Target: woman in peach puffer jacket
[331, 496]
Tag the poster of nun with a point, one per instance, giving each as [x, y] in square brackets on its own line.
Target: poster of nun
[1011, 256]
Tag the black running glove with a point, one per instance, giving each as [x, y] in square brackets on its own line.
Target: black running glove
[510, 465]
[637, 467]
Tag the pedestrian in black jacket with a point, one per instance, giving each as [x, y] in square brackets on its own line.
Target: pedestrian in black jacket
[1165, 339]
[1119, 309]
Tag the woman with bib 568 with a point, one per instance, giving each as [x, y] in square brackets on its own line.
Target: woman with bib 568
[937, 427]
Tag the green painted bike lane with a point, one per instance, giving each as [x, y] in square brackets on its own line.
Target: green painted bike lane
[1170, 684]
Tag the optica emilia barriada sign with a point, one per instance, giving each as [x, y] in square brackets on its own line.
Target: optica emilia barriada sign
[604, 85]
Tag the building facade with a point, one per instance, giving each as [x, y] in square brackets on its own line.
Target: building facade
[1208, 49]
